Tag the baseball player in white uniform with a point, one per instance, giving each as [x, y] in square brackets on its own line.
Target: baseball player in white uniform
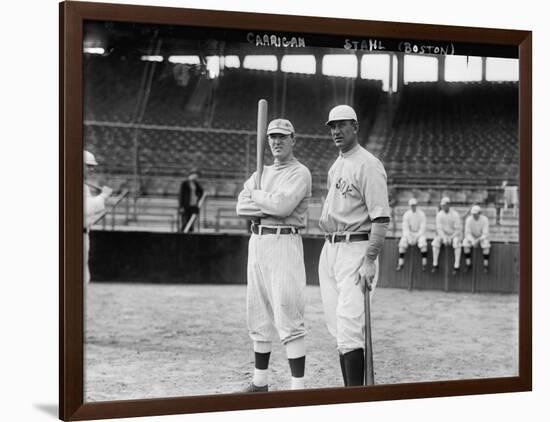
[93, 206]
[414, 233]
[448, 233]
[476, 233]
[354, 218]
[276, 272]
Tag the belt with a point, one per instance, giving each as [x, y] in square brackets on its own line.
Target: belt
[349, 237]
[273, 230]
[85, 231]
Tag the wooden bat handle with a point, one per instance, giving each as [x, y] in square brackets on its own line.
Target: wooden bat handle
[93, 185]
[369, 361]
[261, 136]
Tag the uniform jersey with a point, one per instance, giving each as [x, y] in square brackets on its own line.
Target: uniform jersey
[357, 193]
[478, 228]
[447, 223]
[93, 206]
[414, 223]
[283, 197]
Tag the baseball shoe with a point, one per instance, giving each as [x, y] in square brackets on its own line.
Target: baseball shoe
[399, 268]
[485, 270]
[252, 388]
[466, 268]
[455, 271]
[435, 268]
[423, 268]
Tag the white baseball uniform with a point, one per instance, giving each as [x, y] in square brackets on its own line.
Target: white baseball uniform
[447, 229]
[476, 231]
[357, 194]
[93, 206]
[276, 271]
[414, 229]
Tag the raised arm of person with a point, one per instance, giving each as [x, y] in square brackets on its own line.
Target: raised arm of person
[94, 205]
[283, 201]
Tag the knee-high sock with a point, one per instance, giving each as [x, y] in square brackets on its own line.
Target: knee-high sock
[296, 353]
[262, 352]
[354, 362]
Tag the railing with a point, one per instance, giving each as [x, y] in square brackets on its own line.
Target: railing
[124, 195]
[103, 214]
[194, 216]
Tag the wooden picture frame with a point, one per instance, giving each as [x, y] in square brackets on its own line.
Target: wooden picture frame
[71, 320]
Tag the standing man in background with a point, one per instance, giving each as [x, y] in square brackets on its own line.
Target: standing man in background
[476, 233]
[276, 276]
[93, 205]
[190, 194]
[414, 233]
[448, 233]
[355, 219]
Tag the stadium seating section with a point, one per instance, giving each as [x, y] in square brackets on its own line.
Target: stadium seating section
[455, 139]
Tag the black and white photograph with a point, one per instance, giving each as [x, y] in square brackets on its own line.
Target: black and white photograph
[269, 211]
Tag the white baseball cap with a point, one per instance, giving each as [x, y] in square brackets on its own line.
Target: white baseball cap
[89, 159]
[280, 126]
[476, 209]
[341, 112]
[413, 201]
[445, 200]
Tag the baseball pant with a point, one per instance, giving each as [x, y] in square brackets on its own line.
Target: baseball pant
[342, 296]
[276, 288]
[438, 242]
[469, 243]
[404, 242]
[455, 243]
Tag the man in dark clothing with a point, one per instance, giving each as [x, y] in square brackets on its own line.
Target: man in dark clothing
[190, 194]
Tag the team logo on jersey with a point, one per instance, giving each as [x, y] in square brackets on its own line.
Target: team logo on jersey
[344, 187]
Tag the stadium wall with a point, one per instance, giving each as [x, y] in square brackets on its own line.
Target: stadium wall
[145, 257]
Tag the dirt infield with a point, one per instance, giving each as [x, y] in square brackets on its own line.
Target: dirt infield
[149, 341]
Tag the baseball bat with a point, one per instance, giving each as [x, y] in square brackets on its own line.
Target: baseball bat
[261, 137]
[369, 362]
[93, 186]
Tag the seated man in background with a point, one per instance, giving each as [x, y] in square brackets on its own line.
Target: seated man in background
[448, 233]
[476, 233]
[414, 233]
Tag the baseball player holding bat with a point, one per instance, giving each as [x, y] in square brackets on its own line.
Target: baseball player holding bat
[275, 270]
[354, 218]
[93, 205]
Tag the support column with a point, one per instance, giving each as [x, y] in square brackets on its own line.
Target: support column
[440, 68]
[400, 70]
[390, 78]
